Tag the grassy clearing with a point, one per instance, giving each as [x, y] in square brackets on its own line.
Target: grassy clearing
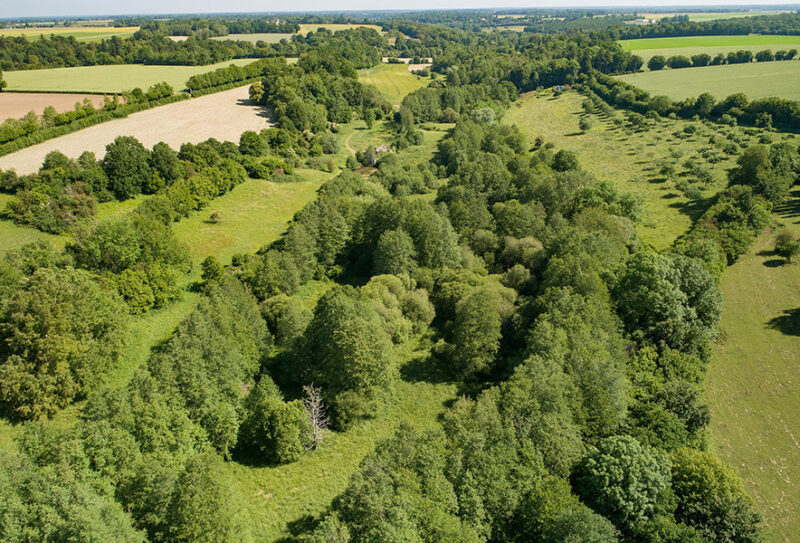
[113, 78]
[252, 214]
[253, 38]
[13, 236]
[393, 81]
[628, 160]
[762, 41]
[753, 380]
[86, 33]
[756, 80]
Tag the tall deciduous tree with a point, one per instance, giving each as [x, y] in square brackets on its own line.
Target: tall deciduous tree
[127, 165]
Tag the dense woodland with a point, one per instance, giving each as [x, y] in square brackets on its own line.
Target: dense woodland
[579, 352]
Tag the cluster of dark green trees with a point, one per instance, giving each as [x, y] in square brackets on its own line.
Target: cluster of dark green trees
[782, 23]
[220, 27]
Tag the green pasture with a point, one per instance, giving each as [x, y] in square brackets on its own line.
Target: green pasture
[756, 80]
[253, 38]
[393, 81]
[748, 41]
[111, 78]
[754, 379]
[251, 215]
[629, 160]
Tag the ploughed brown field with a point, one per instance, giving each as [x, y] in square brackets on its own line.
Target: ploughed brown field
[14, 105]
[223, 115]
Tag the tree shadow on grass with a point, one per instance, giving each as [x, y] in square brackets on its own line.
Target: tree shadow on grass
[774, 263]
[428, 368]
[791, 207]
[693, 208]
[788, 323]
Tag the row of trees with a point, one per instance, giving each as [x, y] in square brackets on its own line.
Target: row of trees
[659, 62]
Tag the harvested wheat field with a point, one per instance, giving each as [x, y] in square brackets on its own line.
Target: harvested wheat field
[224, 116]
[14, 105]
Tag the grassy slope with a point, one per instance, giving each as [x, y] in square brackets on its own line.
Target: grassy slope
[752, 385]
[393, 81]
[756, 80]
[626, 160]
[113, 78]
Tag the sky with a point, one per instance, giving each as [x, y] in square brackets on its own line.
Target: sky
[61, 8]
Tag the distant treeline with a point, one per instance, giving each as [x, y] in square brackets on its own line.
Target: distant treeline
[209, 27]
[783, 23]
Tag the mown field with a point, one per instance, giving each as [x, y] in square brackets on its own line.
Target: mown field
[754, 377]
[630, 161]
[756, 80]
[113, 78]
[222, 115]
[711, 45]
[393, 81]
[80, 33]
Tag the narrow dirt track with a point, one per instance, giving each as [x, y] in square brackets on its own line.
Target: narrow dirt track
[224, 116]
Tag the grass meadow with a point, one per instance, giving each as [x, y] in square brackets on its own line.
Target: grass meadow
[756, 80]
[393, 81]
[753, 379]
[111, 78]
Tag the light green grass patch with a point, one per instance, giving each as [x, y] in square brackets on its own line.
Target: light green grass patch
[753, 384]
[741, 41]
[756, 80]
[14, 236]
[393, 81]
[88, 33]
[253, 38]
[112, 78]
[251, 215]
[628, 161]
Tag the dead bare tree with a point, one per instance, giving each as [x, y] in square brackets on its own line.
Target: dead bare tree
[317, 415]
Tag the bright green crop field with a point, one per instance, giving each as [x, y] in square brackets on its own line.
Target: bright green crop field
[756, 80]
[112, 78]
[393, 81]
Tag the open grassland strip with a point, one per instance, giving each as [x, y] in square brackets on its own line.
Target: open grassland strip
[628, 161]
[393, 81]
[224, 116]
[108, 78]
[761, 41]
[753, 384]
[282, 498]
[88, 33]
[756, 80]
